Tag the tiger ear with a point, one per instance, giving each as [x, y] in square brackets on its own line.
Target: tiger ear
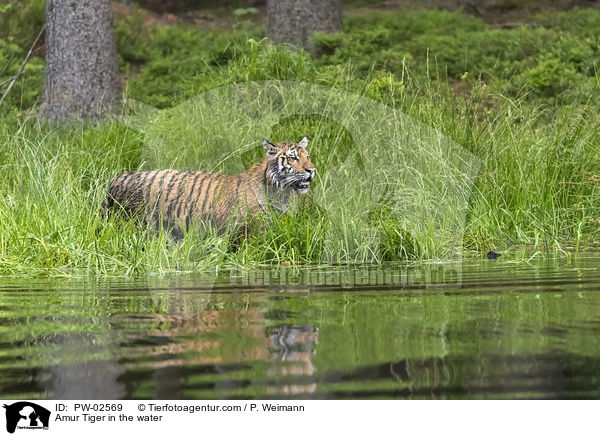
[303, 142]
[269, 147]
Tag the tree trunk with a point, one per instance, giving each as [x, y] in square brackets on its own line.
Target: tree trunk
[82, 81]
[294, 21]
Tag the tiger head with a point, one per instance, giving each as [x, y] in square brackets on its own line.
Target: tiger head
[289, 165]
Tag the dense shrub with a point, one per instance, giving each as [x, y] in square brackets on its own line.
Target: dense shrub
[560, 55]
[19, 26]
[28, 87]
[21, 20]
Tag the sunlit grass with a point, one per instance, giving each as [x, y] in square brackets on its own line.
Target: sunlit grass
[537, 183]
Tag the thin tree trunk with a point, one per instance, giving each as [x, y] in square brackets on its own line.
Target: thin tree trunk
[82, 81]
[294, 21]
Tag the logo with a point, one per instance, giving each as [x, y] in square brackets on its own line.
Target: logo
[26, 415]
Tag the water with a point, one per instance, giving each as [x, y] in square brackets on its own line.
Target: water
[484, 329]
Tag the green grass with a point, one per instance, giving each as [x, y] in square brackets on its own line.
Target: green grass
[525, 114]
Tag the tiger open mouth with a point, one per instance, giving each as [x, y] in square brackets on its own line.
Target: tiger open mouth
[301, 186]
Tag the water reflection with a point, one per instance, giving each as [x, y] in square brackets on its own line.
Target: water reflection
[509, 331]
[294, 345]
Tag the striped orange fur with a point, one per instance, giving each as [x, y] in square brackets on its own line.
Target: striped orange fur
[179, 199]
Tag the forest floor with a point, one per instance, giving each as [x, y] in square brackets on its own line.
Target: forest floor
[505, 15]
[501, 14]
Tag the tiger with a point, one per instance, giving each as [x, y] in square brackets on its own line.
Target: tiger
[178, 200]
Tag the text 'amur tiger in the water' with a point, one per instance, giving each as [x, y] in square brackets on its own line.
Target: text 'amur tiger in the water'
[177, 199]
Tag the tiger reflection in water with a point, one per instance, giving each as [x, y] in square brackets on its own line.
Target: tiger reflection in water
[205, 339]
[294, 345]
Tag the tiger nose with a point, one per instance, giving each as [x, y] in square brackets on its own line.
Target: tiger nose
[310, 171]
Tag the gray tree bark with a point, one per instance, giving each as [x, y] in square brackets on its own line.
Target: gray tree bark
[294, 21]
[82, 81]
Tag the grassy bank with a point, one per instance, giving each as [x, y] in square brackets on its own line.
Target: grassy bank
[520, 102]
